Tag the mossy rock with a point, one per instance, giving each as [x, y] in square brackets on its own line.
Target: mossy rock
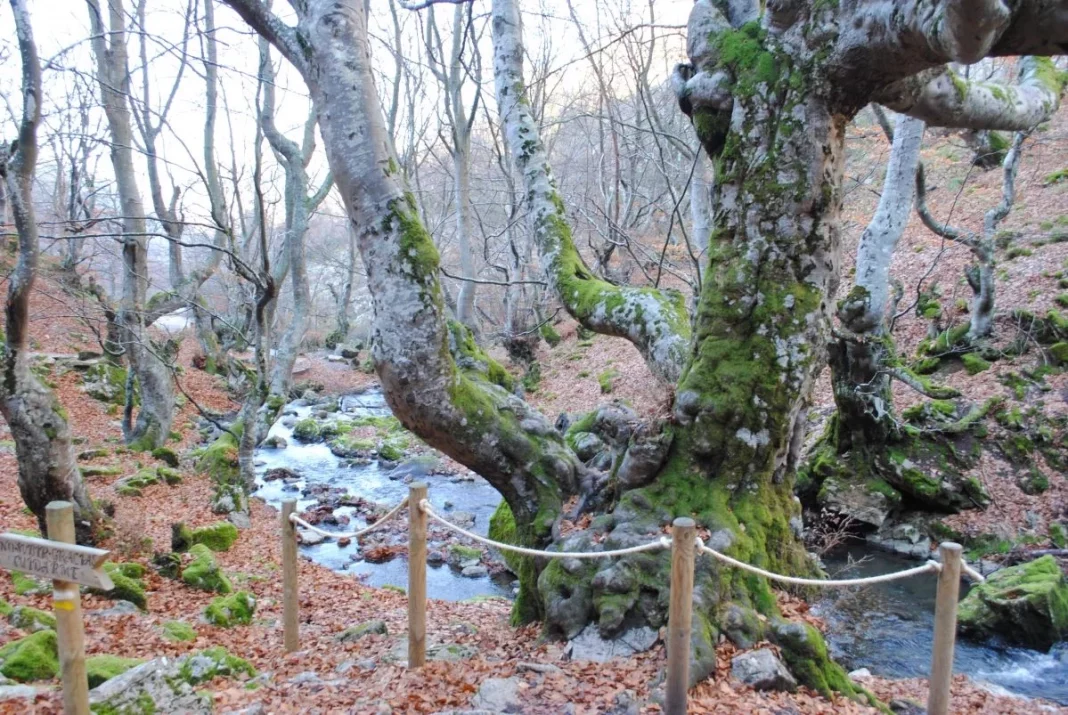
[166, 455]
[102, 668]
[133, 485]
[204, 572]
[179, 632]
[308, 430]
[391, 451]
[805, 654]
[346, 446]
[464, 553]
[1058, 535]
[106, 382]
[171, 476]
[94, 471]
[230, 611]
[128, 586]
[1059, 353]
[213, 663]
[355, 633]
[974, 364]
[219, 536]
[34, 657]
[1025, 604]
[27, 585]
[31, 619]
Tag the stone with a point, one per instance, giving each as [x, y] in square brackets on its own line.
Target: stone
[587, 445]
[310, 538]
[624, 703]
[590, 645]
[906, 707]
[31, 619]
[336, 358]
[860, 674]
[240, 519]
[904, 539]
[102, 668]
[1025, 604]
[275, 442]
[166, 685]
[856, 501]
[122, 608]
[355, 633]
[475, 571]
[646, 452]
[498, 695]
[9, 693]
[233, 610]
[463, 519]
[35, 657]
[762, 670]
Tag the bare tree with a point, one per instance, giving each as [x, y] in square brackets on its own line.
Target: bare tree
[48, 470]
[113, 77]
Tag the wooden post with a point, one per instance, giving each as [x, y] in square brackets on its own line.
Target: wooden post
[680, 614]
[945, 629]
[59, 519]
[416, 576]
[290, 592]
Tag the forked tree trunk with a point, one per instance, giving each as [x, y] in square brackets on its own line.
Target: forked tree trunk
[48, 470]
[770, 100]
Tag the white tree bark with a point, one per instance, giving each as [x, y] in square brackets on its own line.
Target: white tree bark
[700, 202]
[157, 401]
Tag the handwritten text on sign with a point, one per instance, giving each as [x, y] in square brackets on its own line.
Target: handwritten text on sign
[54, 560]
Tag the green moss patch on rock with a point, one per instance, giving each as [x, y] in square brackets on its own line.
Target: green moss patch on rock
[1025, 604]
[166, 455]
[102, 668]
[128, 585]
[355, 633]
[179, 632]
[219, 536]
[31, 619]
[307, 430]
[973, 363]
[34, 657]
[230, 611]
[204, 572]
[212, 663]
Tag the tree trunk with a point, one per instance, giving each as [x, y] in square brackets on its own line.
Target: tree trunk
[157, 401]
[770, 100]
[48, 470]
[700, 209]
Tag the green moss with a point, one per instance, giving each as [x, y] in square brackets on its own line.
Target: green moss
[166, 454]
[307, 430]
[179, 631]
[31, 619]
[102, 668]
[465, 553]
[230, 611]
[391, 451]
[171, 476]
[24, 584]
[5, 608]
[219, 536]
[607, 379]
[532, 377]
[469, 356]
[128, 586]
[96, 471]
[1026, 604]
[213, 663]
[1058, 535]
[357, 632]
[974, 364]
[805, 654]
[204, 572]
[34, 657]
[1057, 177]
[549, 335]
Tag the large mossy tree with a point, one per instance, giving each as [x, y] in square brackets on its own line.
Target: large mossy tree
[770, 94]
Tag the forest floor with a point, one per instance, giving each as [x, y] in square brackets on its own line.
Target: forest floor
[365, 677]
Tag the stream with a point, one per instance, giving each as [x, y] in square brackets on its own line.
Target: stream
[886, 628]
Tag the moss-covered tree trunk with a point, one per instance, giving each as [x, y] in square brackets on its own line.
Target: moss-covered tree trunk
[770, 97]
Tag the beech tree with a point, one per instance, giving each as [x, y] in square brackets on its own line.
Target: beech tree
[769, 93]
[48, 470]
[156, 412]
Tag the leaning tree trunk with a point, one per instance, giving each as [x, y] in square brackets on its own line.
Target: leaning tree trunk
[156, 412]
[48, 470]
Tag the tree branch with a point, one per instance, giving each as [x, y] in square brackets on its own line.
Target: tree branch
[943, 98]
[271, 27]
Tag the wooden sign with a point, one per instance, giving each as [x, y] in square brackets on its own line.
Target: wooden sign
[55, 560]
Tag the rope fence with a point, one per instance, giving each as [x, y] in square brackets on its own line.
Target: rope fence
[684, 544]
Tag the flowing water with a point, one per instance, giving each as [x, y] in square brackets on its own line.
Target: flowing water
[318, 466]
[886, 628]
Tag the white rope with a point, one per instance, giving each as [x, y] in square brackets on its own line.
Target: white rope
[352, 534]
[662, 543]
[970, 572]
[929, 567]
